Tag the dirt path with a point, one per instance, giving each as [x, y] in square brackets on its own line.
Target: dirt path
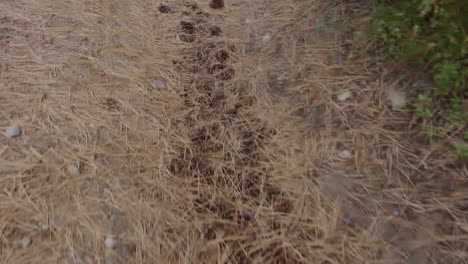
[352, 113]
[197, 132]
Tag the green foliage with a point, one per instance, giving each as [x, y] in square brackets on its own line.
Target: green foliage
[462, 150]
[422, 106]
[428, 35]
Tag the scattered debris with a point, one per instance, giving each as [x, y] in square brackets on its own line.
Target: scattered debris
[216, 31]
[187, 27]
[13, 131]
[110, 242]
[345, 95]
[159, 84]
[217, 4]
[345, 154]
[164, 9]
[397, 98]
[25, 242]
[73, 170]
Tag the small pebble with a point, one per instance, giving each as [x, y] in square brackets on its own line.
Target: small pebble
[266, 38]
[13, 131]
[110, 242]
[248, 20]
[396, 212]
[45, 227]
[73, 170]
[397, 99]
[160, 84]
[345, 154]
[25, 242]
[345, 95]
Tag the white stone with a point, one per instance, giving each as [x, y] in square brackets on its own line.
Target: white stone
[266, 38]
[13, 131]
[160, 84]
[25, 242]
[110, 242]
[345, 95]
[345, 154]
[45, 227]
[73, 170]
[397, 98]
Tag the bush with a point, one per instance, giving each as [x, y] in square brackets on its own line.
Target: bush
[428, 35]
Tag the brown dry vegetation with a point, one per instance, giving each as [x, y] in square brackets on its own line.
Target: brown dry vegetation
[235, 160]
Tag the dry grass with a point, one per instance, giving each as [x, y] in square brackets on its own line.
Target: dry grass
[212, 168]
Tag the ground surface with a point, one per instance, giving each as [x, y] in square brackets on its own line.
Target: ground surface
[196, 132]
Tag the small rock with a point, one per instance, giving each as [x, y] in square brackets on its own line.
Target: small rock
[160, 84]
[397, 98]
[45, 227]
[248, 20]
[25, 242]
[345, 95]
[396, 212]
[73, 170]
[345, 154]
[13, 131]
[266, 38]
[110, 242]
